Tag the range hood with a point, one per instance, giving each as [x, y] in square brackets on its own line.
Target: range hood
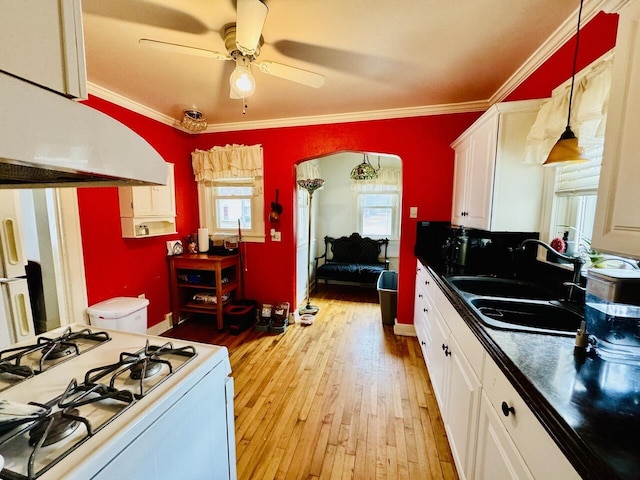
[47, 140]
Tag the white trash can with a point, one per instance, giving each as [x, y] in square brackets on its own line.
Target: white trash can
[128, 314]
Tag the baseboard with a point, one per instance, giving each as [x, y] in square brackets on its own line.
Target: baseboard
[404, 329]
[160, 328]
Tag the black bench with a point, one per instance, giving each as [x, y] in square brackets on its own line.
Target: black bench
[353, 259]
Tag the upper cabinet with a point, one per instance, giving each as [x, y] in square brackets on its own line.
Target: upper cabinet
[617, 222]
[493, 189]
[42, 42]
[148, 211]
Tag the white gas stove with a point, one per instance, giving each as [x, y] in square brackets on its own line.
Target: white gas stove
[107, 404]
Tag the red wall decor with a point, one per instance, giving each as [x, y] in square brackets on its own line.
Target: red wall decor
[116, 266]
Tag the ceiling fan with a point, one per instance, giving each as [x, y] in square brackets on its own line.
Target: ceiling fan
[243, 41]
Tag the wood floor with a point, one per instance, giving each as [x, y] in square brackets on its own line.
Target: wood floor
[342, 398]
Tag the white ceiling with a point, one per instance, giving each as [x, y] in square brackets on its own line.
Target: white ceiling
[407, 56]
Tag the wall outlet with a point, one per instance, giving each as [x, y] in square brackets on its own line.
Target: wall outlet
[142, 296]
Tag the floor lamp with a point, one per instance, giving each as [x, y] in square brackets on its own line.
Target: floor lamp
[310, 185]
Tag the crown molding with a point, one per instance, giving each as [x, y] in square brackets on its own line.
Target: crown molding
[422, 111]
[557, 39]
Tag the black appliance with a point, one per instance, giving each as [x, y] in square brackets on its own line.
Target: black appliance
[430, 240]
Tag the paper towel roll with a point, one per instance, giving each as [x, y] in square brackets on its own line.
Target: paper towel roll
[203, 240]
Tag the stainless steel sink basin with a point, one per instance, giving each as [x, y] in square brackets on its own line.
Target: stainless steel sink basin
[531, 316]
[499, 287]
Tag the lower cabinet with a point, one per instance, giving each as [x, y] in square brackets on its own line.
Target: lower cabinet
[496, 454]
[455, 384]
[491, 430]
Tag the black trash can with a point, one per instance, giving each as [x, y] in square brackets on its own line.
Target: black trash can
[388, 295]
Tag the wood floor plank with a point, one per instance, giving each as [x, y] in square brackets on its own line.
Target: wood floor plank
[341, 399]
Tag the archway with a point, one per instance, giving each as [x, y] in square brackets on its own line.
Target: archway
[335, 208]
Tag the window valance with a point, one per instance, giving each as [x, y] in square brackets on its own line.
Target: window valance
[389, 179]
[230, 161]
[588, 114]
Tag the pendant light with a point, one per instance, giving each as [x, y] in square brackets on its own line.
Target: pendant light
[566, 149]
[365, 170]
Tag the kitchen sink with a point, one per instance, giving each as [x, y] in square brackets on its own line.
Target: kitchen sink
[499, 287]
[531, 316]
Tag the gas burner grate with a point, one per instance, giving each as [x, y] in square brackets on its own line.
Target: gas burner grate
[69, 421]
[146, 368]
[48, 352]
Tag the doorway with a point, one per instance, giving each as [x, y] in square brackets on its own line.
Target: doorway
[337, 210]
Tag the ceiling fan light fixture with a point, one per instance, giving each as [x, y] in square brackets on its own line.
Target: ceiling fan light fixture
[365, 171]
[243, 85]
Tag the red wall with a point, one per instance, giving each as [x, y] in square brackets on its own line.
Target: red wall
[115, 266]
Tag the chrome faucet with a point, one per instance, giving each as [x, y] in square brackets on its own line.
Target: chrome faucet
[576, 261]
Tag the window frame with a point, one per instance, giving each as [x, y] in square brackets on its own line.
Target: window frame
[395, 212]
[207, 208]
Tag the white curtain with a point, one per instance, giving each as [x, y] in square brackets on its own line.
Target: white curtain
[306, 170]
[228, 162]
[588, 113]
[389, 179]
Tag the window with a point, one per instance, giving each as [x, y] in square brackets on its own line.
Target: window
[378, 214]
[229, 201]
[230, 190]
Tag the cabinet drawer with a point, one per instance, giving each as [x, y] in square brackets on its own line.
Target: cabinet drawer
[543, 457]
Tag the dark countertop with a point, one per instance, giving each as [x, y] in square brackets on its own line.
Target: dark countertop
[589, 406]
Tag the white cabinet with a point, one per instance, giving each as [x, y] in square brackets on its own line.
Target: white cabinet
[42, 42]
[496, 455]
[455, 384]
[148, 211]
[617, 222]
[493, 189]
[542, 456]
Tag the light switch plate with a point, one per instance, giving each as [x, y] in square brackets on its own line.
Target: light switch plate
[413, 212]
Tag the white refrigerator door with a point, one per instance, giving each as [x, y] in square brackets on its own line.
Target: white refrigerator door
[5, 338]
[20, 317]
[12, 257]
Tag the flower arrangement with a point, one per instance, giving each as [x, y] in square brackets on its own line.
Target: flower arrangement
[559, 245]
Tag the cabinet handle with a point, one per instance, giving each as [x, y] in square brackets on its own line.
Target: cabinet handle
[425, 310]
[419, 295]
[423, 342]
[506, 409]
[426, 282]
[446, 350]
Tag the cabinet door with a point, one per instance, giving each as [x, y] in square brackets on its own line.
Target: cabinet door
[42, 41]
[496, 454]
[463, 400]
[437, 362]
[480, 172]
[617, 222]
[151, 201]
[460, 177]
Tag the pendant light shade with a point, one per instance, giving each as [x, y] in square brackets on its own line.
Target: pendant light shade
[365, 170]
[566, 149]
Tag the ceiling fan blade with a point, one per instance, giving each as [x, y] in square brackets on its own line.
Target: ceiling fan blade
[251, 17]
[298, 75]
[177, 48]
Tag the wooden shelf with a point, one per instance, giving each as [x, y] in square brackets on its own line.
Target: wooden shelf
[213, 267]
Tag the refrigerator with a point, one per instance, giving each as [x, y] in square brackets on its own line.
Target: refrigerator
[16, 318]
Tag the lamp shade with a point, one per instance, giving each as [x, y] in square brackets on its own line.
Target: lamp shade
[365, 170]
[566, 150]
